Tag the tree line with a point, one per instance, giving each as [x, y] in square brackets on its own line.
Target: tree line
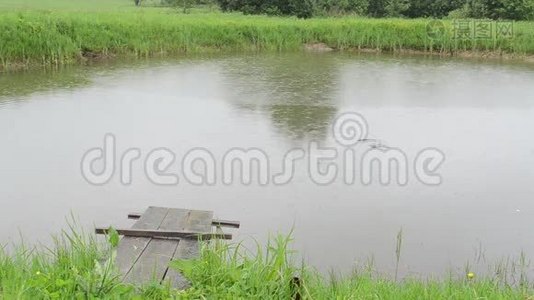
[483, 9]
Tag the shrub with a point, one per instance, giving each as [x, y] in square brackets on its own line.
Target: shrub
[501, 9]
[359, 7]
[397, 8]
[432, 8]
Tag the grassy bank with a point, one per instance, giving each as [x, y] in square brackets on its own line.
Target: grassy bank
[54, 36]
[78, 267]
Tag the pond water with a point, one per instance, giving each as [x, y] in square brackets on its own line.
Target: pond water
[480, 115]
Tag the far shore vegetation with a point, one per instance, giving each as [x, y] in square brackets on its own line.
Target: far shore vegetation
[57, 32]
[79, 266]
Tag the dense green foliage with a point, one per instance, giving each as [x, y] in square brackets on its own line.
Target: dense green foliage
[55, 32]
[42, 37]
[432, 8]
[79, 267]
[501, 9]
[494, 9]
[300, 8]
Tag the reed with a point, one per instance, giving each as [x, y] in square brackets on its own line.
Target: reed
[44, 37]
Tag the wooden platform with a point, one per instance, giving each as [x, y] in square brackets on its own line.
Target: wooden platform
[160, 235]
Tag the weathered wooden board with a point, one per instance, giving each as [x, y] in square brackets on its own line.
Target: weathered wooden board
[159, 233]
[214, 222]
[131, 248]
[225, 223]
[187, 249]
[159, 236]
[153, 262]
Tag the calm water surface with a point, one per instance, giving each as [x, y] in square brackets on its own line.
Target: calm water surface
[480, 115]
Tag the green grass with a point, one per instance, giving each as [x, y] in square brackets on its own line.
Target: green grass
[76, 267]
[74, 5]
[61, 31]
[65, 5]
[80, 267]
[232, 272]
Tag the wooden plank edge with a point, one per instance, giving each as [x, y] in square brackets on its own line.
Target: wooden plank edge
[225, 223]
[215, 222]
[166, 233]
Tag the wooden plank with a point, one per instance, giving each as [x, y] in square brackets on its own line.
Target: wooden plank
[154, 261]
[215, 222]
[134, 216]
[160, 235]
[131, 248]
[187, 248]
[225, 223]
[151, 233]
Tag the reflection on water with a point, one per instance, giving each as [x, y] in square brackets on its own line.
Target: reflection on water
[481, 115]
[15, 84]
[300, 97]
[299, 121]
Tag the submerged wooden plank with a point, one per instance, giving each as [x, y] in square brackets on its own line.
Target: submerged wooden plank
[154, 261]
[131, 248]
[187, 249]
